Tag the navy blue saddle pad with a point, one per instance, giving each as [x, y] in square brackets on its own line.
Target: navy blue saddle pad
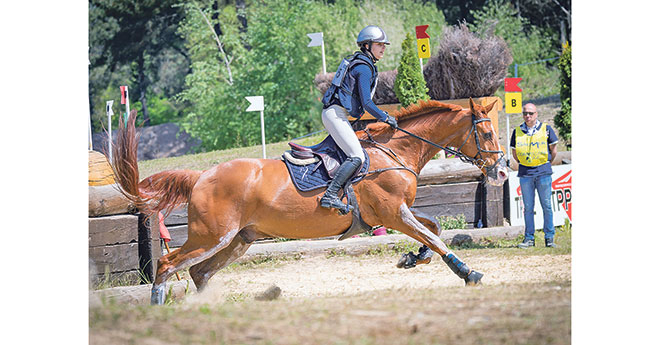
[313, 176]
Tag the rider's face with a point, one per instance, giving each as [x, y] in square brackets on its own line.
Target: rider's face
[378, 49]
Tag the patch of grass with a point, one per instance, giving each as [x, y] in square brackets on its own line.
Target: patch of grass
[450, 222]
[403, 246]
[533, 313]
[110, 280]
[563, 236]
[263, 260]
[336, 252]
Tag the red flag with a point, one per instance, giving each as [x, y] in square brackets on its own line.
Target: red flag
[420, 31]
[511, 85]
[124, 93]
[164, 233]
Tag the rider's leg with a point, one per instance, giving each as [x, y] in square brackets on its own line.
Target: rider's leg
[335, 119]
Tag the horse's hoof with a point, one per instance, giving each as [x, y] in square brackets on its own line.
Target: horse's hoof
[474, 278]
[158, 295]
[423, 261]
[407, 261]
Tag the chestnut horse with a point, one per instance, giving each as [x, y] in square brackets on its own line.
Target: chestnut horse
[237, 202]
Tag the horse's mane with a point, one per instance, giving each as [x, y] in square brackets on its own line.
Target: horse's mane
[413, 111]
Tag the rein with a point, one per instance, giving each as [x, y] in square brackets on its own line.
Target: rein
[391, 154]
[477, 160]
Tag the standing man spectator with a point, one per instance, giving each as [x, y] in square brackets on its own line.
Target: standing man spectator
[534, 147]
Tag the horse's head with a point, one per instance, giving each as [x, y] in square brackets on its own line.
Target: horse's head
[480, 145]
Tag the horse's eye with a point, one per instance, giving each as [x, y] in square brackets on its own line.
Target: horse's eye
[488, 136]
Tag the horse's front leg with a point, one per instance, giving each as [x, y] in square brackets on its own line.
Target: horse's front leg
[411, 226]
[410, 260]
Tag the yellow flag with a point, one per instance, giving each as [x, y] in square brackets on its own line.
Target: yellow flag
[423, 48]
[513, 102]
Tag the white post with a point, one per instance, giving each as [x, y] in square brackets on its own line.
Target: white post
[421, 66]
[263, 134]
[508, 140]
[323, 51]
[128, 108]
[257, 104]
[89, 133]
[108, 111]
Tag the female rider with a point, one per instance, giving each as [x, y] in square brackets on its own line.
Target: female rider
[351, 94]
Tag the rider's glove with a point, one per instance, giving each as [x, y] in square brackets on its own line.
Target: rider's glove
[390, 120]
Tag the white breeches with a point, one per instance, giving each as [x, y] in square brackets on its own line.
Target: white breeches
[335, 120]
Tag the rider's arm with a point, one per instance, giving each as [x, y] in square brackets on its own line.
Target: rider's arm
[362, 74]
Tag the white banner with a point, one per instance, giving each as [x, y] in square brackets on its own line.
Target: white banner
[316, 39]
[256, 103]
[561, 198]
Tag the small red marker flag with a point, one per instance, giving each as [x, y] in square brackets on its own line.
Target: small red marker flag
[164, 233]
[124, 93]
[511, 85]
[420, 31]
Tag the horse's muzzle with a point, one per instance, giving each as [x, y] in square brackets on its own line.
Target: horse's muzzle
[497, 174]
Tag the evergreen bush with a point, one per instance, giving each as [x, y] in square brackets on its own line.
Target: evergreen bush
[409, 85]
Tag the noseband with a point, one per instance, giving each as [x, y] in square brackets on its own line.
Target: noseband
[477, 160]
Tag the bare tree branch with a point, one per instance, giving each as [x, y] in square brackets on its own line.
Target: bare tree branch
[217, 39]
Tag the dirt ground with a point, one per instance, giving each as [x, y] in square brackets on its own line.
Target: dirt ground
[525, 298]
[345, 276]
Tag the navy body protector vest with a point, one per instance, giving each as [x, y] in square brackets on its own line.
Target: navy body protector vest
[343, 90]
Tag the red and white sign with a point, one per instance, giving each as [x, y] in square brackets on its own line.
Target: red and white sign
[124, 94]
[561, 198]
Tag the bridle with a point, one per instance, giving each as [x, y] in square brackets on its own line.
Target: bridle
[478, 159]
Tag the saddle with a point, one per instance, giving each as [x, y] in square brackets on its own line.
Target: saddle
[312, 167]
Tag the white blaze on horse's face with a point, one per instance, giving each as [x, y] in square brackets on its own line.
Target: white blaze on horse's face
[499, 173]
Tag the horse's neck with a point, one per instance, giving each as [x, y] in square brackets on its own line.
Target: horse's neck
[445, 130]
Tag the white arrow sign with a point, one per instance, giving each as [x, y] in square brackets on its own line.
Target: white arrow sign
[317, 39]
[256, 103]
[108, 107]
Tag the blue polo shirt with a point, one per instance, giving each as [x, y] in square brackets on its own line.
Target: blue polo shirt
[543, 169]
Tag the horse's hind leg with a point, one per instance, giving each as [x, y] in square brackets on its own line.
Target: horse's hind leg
[415, 229]
[194, 251]
[410, 260]
[203, 271]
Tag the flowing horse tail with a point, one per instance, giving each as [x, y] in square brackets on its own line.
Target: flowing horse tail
[163, 190]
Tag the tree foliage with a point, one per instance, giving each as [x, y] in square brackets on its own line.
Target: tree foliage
[279, 65]
[526, 42]
[409, 85]
[563, 117]
[134, 43]
[169, 57]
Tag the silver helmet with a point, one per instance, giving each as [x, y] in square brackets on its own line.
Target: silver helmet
[372, 33]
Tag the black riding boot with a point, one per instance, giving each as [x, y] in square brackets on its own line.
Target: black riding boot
[345, 172]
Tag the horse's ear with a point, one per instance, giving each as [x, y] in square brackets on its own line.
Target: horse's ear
[471, 105]
[490, 107]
